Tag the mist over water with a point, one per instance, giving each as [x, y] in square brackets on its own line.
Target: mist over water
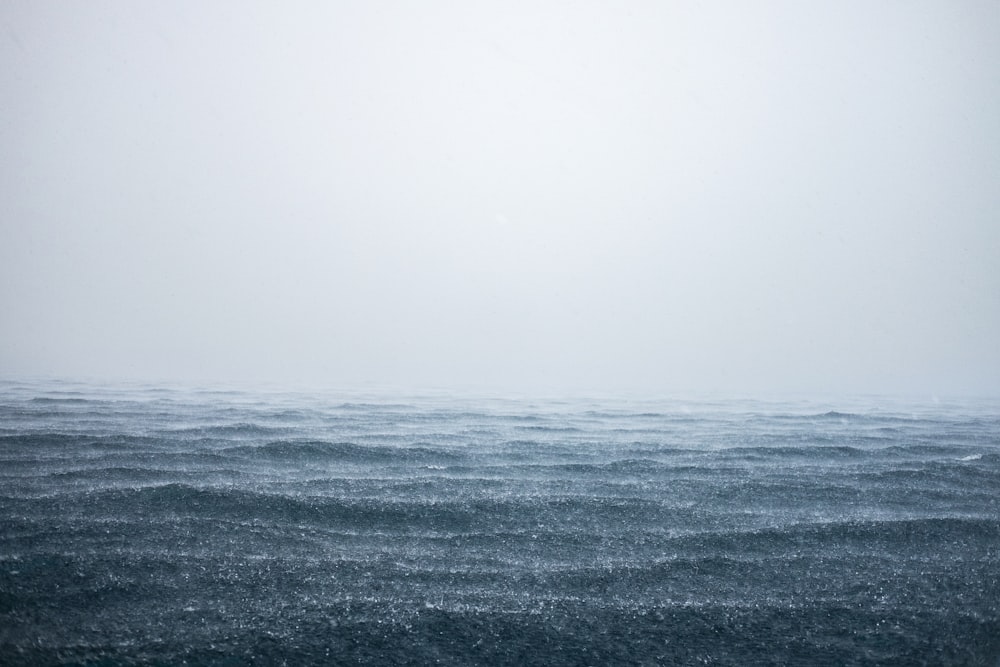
[153, 524]
[658, 198]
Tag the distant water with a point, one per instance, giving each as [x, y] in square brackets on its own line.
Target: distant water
[159, 526]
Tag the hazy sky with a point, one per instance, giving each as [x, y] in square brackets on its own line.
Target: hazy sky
[662, 197]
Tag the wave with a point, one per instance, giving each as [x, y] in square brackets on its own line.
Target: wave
[833, 414]
[132, 477]
[853, 418]
[553, 429]
[561, 523]
[963, 476]
[242, 429]
[319, 451]
[73, 443]
[817, 452]
[922, 450]
[365, 514]
[618, 465]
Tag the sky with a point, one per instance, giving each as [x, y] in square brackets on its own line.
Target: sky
[525, 197]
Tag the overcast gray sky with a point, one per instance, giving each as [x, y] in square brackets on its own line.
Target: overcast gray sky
[663, 197]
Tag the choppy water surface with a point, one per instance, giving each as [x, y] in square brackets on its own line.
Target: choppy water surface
[154, 525]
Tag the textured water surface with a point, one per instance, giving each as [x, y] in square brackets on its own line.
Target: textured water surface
[158, 525]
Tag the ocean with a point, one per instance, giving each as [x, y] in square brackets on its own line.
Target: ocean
[151, 525]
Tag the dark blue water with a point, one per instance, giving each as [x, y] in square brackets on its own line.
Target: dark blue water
[147, 525]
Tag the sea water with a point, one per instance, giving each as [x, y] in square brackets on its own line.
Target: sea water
[153, 525]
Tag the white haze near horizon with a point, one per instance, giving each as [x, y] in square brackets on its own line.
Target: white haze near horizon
[658, 197]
